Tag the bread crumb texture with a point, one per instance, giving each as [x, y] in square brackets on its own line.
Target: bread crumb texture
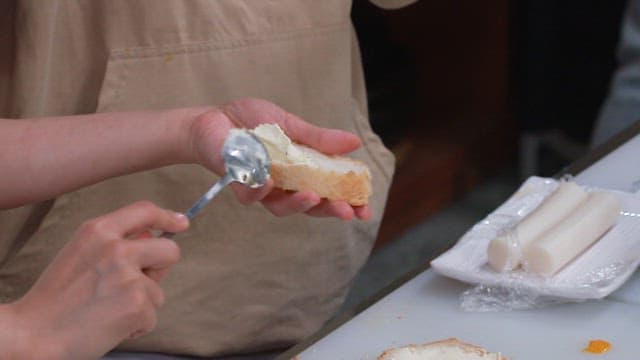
[352, 187]
[448, 349]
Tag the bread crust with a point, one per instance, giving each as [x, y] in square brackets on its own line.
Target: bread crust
[298, 167]
[352, 187]
[388, 354]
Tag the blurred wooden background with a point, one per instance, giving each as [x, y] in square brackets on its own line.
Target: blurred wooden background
[438, 81]
[454, 85]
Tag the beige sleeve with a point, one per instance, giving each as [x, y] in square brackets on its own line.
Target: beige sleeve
[392, 4]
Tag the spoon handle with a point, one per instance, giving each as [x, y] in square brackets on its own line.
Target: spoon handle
[208, 196]
[204, 200]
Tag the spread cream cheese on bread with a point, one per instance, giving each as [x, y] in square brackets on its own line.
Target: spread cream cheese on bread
[449, 349]
[297, 167]
[280, 147]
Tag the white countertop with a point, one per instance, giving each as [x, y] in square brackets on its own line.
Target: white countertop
[620, 170]
[427, 308]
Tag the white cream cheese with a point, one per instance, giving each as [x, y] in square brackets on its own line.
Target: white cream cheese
[280, 147]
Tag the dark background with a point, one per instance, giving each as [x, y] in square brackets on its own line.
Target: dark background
[455, 86]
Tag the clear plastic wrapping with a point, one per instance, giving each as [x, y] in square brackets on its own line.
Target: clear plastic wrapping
[595, 273]
[512, 295]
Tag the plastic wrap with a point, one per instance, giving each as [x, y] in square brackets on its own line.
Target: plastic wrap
[595, 273]
[512, 295]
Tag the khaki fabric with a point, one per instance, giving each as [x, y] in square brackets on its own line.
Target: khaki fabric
[247, 281]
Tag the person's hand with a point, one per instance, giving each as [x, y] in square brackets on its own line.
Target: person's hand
[101, 288]
[211, 128]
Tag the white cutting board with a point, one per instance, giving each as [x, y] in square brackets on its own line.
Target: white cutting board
[427, 309]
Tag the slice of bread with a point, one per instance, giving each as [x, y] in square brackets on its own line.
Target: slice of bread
[298, 167]
[449, 349]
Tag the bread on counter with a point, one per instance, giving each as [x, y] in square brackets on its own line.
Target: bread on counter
[449, 349]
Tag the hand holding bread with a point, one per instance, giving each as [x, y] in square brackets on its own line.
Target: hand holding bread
[211, 128]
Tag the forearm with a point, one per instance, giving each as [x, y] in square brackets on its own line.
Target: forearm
[41, 158]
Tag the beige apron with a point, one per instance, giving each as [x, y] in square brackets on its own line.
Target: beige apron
[247, 281]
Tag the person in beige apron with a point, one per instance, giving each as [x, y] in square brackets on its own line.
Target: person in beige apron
[247, 281]
[107, 276]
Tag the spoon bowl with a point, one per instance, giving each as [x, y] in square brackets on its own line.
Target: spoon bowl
[246, 161]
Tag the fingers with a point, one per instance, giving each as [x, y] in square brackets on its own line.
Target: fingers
[148, 258]
[153, 254]
[154, 293]
[140, 300]
[157, 270]
[156, 274]
[208, 134]
[146, 234]
[328, 141]
[141, 216]
[363, 212]
[331, 208]
[247, 195]
[283, 203]
[253, 112]
[250, 113]
[341, 210]
[145, 322]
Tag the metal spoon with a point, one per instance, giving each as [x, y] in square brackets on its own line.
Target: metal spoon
[246, 161]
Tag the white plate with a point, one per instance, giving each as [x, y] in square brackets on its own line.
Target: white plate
[597, 272]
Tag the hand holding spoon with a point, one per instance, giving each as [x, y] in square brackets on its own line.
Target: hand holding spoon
[246, 161]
